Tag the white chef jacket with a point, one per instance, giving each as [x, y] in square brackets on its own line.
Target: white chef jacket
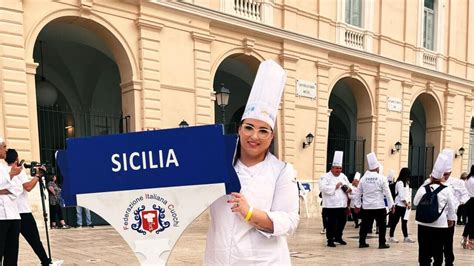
[403, 194]
[8, 208]
[332, 197]
[22, 200]
[445, 198]
[373, 188]
[269, 186]
[469, 184]
[352, 196]
[459, 191]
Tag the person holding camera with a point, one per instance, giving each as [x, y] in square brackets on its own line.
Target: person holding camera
[334, 187]
[9, 215]
[54, 192]
[373, 187]
[28, 228]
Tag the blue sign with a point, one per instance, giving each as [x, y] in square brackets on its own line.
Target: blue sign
[149, 159]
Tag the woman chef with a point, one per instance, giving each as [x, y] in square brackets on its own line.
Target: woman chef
[250, 227]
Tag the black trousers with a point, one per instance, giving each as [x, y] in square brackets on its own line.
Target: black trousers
[469, 227]
[324, 216]
[355, 216]
[9, 234]
[462, 213]
[394, 218]
[56, 214]
[368, 217]
[448, 245]
[430, 245]
[29, 230]
[335, 224]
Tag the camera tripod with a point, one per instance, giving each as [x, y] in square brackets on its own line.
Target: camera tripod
[45, 214]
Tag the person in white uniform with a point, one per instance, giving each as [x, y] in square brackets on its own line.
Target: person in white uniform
[430, 235]
[9, 215]
[334, 187]
[354, 188]
[373, 188]
[468, 233]
[28, 228]
[402, 205]
[460, 196]
[250, 227]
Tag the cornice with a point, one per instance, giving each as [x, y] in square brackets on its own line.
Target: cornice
[233, 22]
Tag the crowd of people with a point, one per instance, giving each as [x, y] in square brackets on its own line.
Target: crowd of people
[440, 201]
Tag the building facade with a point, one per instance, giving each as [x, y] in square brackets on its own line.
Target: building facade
[363, 75]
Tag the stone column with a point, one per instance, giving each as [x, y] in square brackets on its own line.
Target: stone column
[380, 134]
[407, 86]
[449, 116]
[468, 100]
[322, 121]
[132, 103]
[149, 53]
[288, 108]
[202, 78]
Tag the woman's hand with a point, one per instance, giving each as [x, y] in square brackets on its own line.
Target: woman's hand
[240, 204]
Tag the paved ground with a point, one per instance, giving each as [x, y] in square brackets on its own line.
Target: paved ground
[103, 246]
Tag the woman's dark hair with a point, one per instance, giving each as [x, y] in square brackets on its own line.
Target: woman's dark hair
[404, 175]
[471, 173]
[11, 157]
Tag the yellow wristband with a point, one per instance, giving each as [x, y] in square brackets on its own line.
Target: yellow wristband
[249, 214]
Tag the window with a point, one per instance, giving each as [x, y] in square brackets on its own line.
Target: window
[354, 12]
[429, 24]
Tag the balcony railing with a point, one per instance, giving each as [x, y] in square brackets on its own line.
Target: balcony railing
[256, 10]
[429, 59]
[353, 37]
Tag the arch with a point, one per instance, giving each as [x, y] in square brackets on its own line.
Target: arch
[363, 97]
[432, 105]
[128, 65]
[231, 52]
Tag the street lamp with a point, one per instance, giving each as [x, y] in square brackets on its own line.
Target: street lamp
[222, 97]
[183, 124]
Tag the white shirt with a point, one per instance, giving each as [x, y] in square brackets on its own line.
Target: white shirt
[459, 191]
[445, 198]
[402, 194]
[332, 197]
[8, 208]
[372, 190]
[352, 196]
[269, 186]
[469, 184]
[22, 200]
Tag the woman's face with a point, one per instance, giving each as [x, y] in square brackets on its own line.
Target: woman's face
[255, 137]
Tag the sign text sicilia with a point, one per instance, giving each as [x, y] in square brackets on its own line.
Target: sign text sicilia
[144, 160]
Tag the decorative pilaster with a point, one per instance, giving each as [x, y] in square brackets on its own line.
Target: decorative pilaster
[322, 120]
[202, 78]
[448, 117]
[407, 86]
[288, 124]
[381, 147]
[149, 53]
[468, 101]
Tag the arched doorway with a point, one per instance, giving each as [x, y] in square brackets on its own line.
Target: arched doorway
[236, 73]
[78, 87]
[425, 137]
[349, 124]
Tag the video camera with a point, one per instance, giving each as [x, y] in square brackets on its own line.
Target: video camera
[45, 169]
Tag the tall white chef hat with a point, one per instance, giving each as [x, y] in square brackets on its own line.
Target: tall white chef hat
[391, 175]
[337, 161]
[266, 93]
[450, 157]
[439, 166]
[357, 176]
[372, 161]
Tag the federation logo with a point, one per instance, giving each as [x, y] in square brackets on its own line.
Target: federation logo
[150, 214]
